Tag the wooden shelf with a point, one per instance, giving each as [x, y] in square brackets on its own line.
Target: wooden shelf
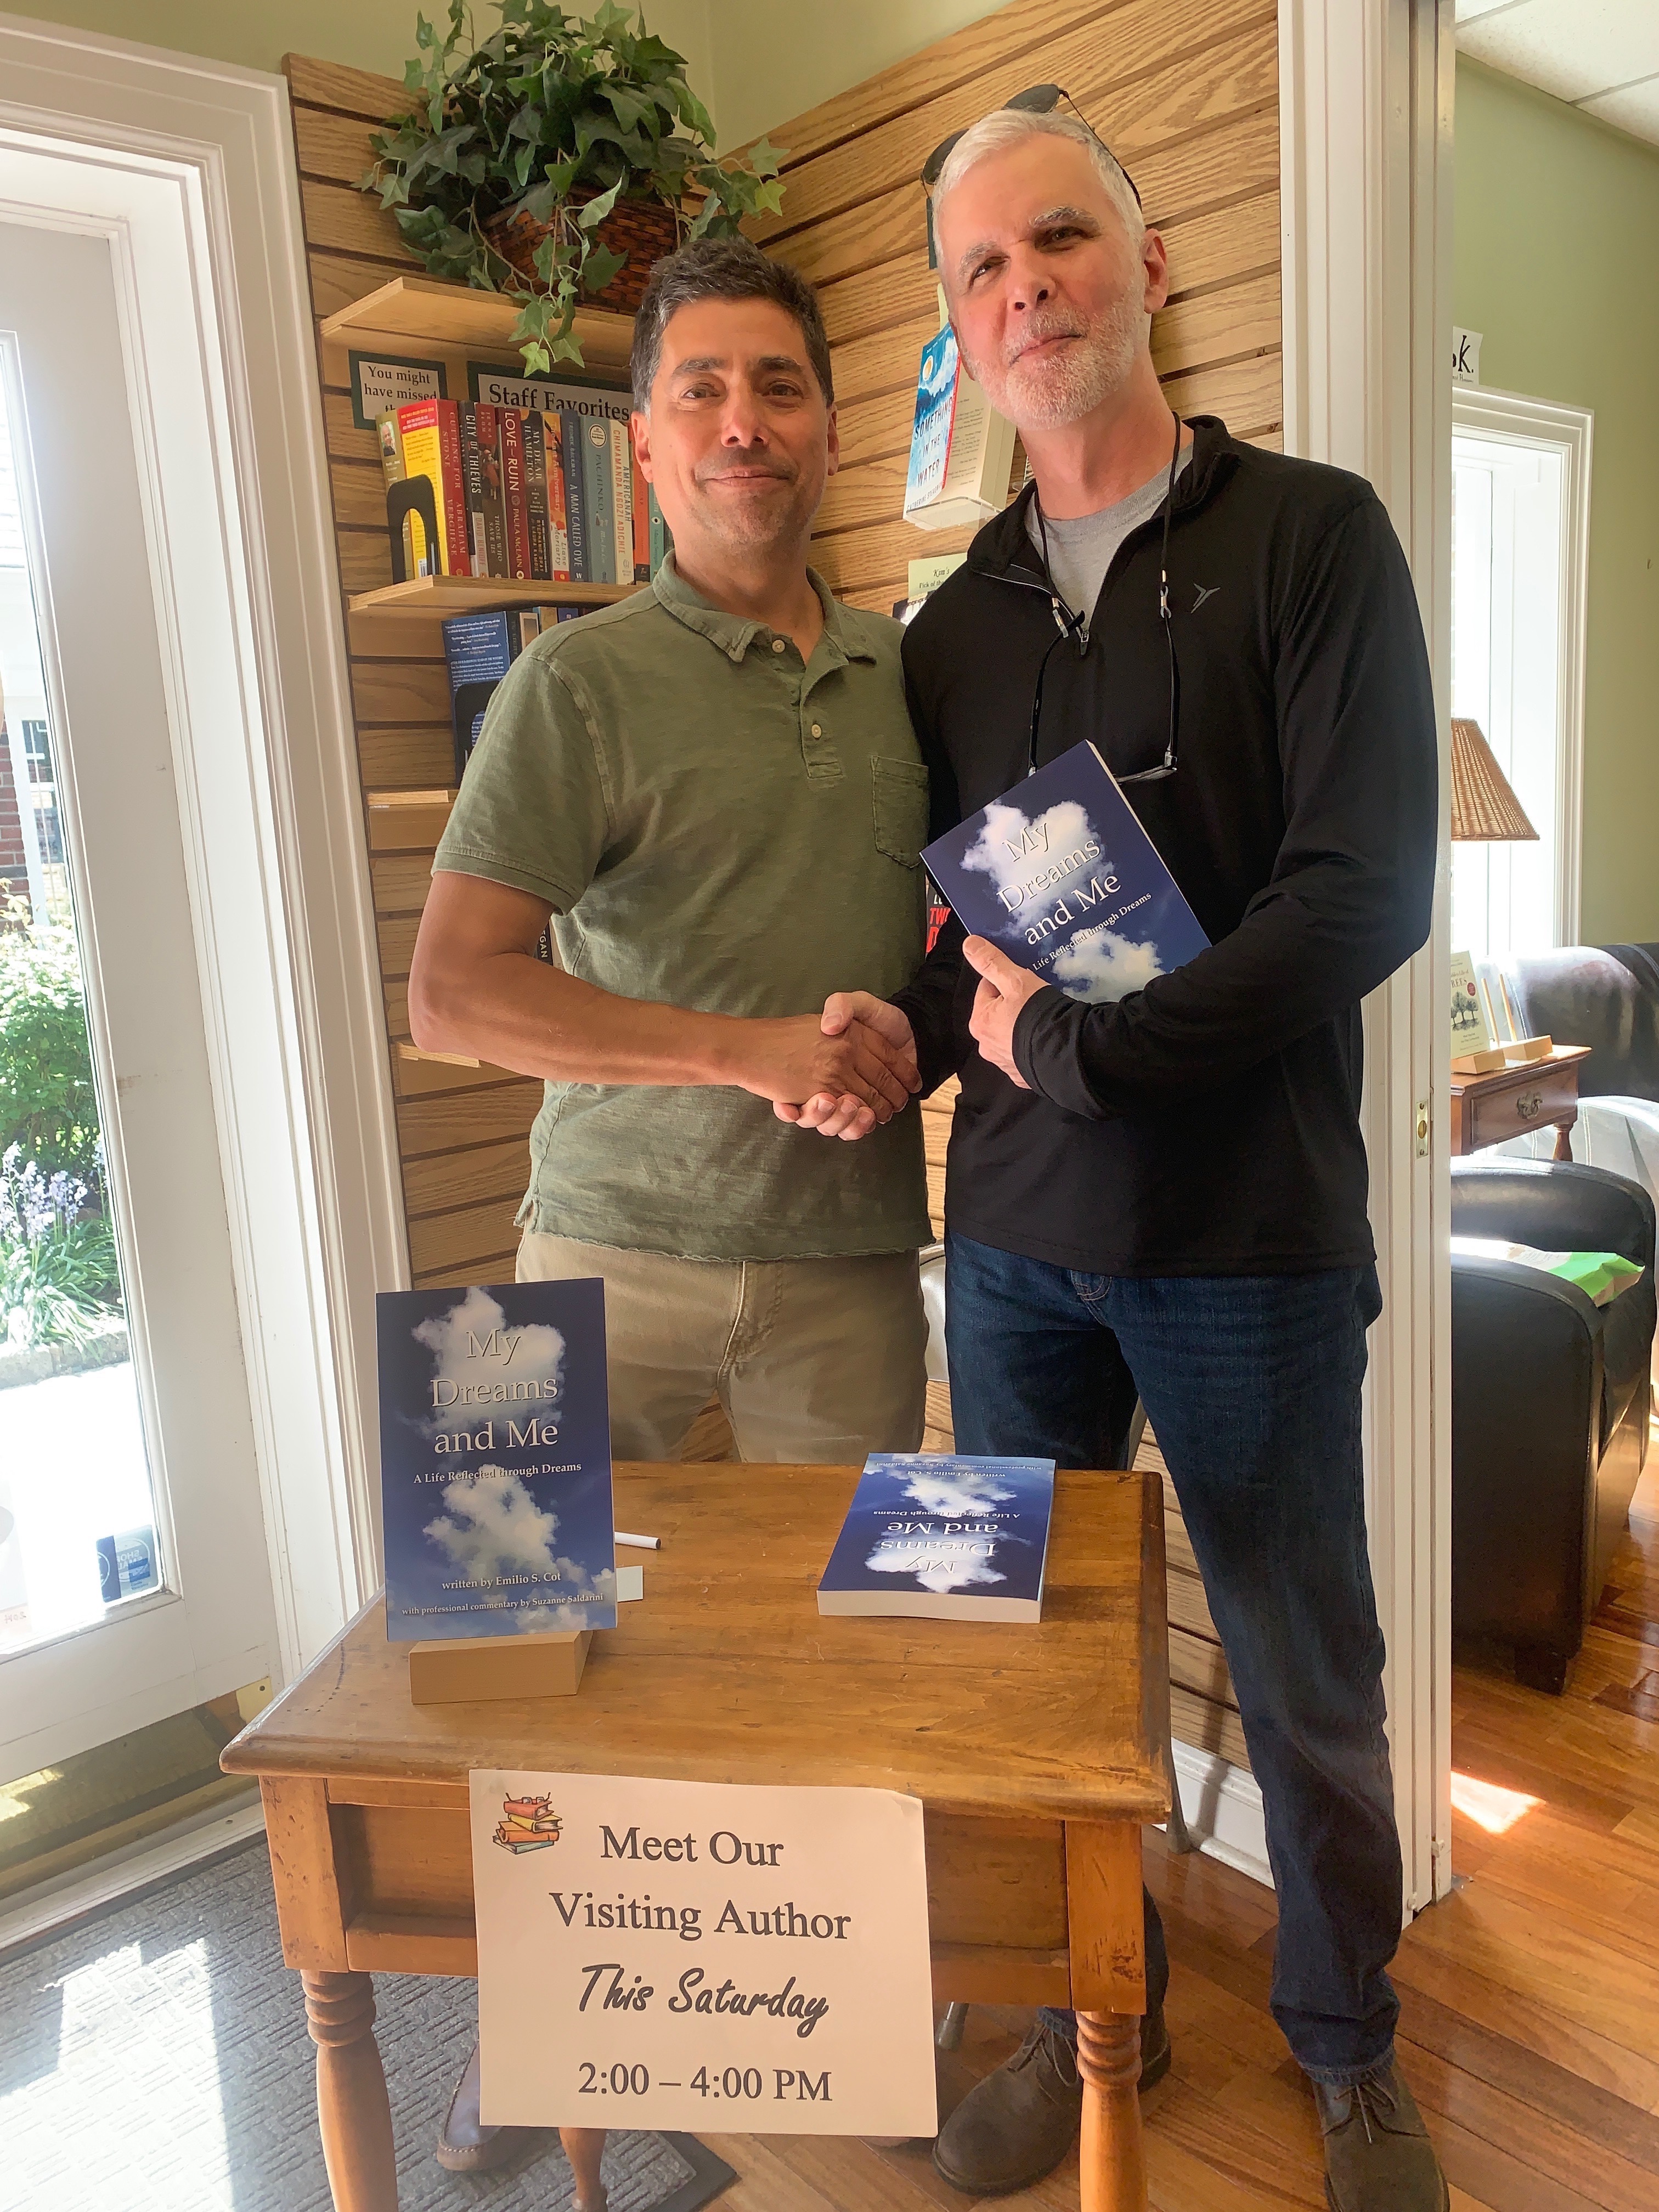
[469, 595]
[423, 307]
[407, 820]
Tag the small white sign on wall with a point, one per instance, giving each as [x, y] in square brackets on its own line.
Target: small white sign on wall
[695, 1955]
[1465, 356]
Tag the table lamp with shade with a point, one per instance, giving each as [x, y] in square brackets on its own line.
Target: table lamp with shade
[1482, 805]
[1483, 809]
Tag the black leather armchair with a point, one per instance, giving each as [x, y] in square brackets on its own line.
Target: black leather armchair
[1550, 1400]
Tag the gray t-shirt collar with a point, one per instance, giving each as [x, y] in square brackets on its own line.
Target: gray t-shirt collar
[1081, 547]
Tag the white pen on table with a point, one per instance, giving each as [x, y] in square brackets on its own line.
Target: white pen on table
[640, 1543]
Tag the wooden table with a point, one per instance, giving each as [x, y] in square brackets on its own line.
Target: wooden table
[1531, 1094]
[1035, 1751]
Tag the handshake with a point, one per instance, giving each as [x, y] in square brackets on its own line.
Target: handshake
[840, 1073]
[855, 1065]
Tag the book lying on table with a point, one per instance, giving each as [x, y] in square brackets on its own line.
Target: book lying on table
[495, 1461]
[1060, 876]
[943, 1537]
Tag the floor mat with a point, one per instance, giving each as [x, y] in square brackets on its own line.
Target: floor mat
[156, 2060]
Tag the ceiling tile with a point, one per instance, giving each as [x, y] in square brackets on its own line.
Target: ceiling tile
[1636, 109]
[1469, 9]
[1573, 48]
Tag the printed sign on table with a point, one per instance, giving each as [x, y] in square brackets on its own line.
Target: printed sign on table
[695, 1954]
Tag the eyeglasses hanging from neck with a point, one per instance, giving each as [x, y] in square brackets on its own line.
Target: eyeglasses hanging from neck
[1074, 627]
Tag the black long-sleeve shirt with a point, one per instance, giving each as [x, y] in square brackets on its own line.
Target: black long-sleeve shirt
[1208, 1124]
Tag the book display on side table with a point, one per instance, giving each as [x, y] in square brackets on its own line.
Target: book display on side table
[496, 1485]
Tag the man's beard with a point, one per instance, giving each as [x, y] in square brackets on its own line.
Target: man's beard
[763, 518]
[1052, 392]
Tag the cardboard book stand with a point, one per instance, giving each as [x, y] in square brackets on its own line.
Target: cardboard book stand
[464, 1669]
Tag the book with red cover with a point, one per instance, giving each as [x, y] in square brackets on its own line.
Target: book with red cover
[641, 518]
[558, 509]
[487, 422]
[514, 493]
[472, 487]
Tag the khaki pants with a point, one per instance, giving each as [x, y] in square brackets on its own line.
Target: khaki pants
[812, 1359]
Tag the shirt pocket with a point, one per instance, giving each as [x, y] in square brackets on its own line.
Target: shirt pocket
[899, 795]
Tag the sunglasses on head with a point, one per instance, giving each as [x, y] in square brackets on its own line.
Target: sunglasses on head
[1036, 99]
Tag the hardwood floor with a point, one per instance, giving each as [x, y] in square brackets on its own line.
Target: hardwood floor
[1530, 2027]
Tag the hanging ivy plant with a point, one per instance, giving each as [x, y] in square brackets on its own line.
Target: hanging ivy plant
[555, 161]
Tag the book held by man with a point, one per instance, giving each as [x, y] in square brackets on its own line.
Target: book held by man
[495, 1461]
[935, 1536]
[1060, 876]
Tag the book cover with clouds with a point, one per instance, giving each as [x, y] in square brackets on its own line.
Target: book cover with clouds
[1060, 874]
[495, 1461]
[945, 1538]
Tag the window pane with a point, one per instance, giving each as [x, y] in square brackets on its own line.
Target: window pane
[78, 1525]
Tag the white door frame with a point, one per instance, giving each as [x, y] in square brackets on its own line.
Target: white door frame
[246, 588]
[1365, 107]
[1509, 417]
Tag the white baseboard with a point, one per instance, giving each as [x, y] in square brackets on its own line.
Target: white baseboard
[1223, 1809]
[54, 1904]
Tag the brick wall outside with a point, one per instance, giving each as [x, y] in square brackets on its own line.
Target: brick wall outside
[14, 865]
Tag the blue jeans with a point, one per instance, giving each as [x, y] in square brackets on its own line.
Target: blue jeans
[1251, 1383]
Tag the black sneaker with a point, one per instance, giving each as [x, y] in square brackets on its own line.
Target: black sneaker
[1378, 2157]
[1017, 2123]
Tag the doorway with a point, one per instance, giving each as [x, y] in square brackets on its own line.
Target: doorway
[1520, 552]
[134, 1585]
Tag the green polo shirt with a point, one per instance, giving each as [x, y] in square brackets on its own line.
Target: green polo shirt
[721, 827]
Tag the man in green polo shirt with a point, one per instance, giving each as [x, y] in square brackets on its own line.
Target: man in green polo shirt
[714, 790]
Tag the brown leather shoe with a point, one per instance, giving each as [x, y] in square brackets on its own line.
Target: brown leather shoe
[1017, 2123]
[466, 2145]
[1378, 2157]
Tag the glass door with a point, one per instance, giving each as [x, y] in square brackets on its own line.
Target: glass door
[134, 1583]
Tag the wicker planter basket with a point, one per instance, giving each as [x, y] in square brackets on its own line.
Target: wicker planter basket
[642, 229]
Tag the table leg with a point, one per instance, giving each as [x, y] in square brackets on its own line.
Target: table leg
[352, 2111]
[1564, 1138]
[1106, 1938]
[1111, 2154]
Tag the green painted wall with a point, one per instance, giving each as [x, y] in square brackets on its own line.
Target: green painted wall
[368, 35]
[1558, 265]
[775, 58]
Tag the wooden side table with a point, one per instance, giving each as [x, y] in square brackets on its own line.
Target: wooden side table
[1036, 1751]
[1511, 1102]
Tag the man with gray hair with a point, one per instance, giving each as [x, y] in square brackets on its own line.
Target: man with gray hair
[714, 790]
[1165, 1193]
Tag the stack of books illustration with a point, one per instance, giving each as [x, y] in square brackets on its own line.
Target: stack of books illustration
[527, 1824]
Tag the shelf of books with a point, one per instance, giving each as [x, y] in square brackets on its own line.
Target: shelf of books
[440, 314]
[466, 595]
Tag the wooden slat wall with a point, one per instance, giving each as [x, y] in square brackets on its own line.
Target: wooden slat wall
[1188, 96]
[461, 1132]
